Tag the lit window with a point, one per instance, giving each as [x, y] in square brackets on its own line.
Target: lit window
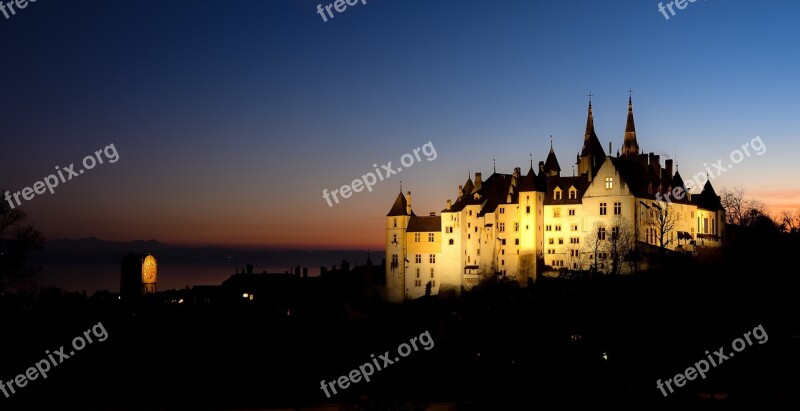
[557, 212]
[609, 183]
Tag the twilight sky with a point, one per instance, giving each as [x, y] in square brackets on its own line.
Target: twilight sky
[230, 118]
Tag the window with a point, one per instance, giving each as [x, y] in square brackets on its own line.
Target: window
[557, 194]
[503, 252]
[601, 233]
[502, 210]
[430, 237]
[394, 238]
[548, 228]
[617, 208]
[449, 230]
[551, 241]
[558, 227]
[416, 237]
[573, 194]
[502, 262]
[418, 258]
[572, 212]
[551, 251]
[516, 241]
[417, 272]
[433, 283]
[451, 241]
[395, 222]
[561, 241]
[417, 283]
[503, 241]
[603, 208]
[614, 233]
[574, 227]
[431, 272]
[394, 259]
[470, 212]
[574, 253]
[609, 183]
[557, 212]
[575, 240]
[432, 259]
[527, 209]
[501, 227]
[516, 227]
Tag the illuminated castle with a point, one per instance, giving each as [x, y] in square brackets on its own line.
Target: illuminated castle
[517, 224]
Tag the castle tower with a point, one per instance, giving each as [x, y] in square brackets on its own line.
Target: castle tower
[531, 206]
[551, 167]
[592, 153]
[630, 147]
[396, 247]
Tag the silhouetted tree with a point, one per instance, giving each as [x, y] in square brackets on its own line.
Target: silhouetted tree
[739, 210]
[663, 218]
[16, 240]
[620, 242]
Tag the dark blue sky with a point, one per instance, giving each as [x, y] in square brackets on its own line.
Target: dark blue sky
[230, 118]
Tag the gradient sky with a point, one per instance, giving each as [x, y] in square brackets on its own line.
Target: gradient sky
[231, 117]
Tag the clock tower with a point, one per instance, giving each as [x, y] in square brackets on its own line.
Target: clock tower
[149, 275]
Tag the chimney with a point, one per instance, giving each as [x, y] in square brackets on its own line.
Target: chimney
[541, 167]
[408, 203]
[668, 167]
[449, 203]
[477, 181]
[517, 172]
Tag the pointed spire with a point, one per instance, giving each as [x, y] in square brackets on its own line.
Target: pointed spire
[551, 167]
[630, 147]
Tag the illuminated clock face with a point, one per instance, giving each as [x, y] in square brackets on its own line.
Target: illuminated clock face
[149, 269]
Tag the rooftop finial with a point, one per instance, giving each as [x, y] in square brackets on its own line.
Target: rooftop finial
[531, 159]
[401, 186]
[590, 95]
[551, 142]
[630, 95]
[494, 165]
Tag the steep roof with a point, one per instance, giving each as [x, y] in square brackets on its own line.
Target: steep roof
[630, 147]
[581, 183]
[708, 198]
[591, 144]
[424, 224]
[399, 207]
[551, 164]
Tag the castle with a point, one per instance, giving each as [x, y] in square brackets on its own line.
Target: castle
[614, 209]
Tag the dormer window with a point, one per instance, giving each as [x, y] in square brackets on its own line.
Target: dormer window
[557, 194]
[573, 193]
